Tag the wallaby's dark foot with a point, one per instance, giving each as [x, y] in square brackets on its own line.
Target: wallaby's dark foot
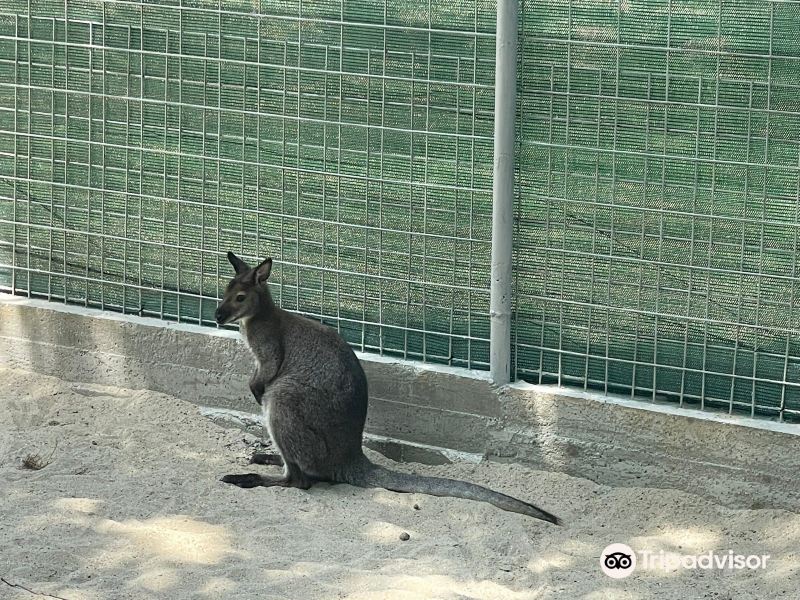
[266, 458]
[251, 480]
[245, 480]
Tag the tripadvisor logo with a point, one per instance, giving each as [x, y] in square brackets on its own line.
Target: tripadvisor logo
[620, 560]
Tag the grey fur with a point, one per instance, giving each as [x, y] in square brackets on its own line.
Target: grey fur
[314, 394]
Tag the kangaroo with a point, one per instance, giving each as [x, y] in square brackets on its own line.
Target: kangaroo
[313, 393]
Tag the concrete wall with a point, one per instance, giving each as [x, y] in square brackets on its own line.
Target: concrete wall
[739, 462]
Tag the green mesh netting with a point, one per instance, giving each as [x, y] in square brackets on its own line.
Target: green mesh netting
[659, 159]
[349, 140]
[657, 239]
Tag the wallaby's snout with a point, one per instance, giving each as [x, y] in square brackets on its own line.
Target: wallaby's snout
[226, 313]
[221, 315]
[246, 294]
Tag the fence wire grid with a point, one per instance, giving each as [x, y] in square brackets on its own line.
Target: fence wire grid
[658, 176]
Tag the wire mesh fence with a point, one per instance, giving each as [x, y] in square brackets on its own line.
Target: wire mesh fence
[658, 178]
[657, 237]
[349, 140]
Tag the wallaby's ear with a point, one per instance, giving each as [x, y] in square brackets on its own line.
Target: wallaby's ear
[238, 264]
[263, 270]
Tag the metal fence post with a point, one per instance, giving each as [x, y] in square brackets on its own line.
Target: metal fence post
[505, 108]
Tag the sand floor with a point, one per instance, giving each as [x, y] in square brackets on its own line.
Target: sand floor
[131, 507]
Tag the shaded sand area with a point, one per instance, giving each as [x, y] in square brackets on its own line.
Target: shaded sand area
[131, 507]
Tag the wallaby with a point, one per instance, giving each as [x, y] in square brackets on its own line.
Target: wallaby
[313, 393]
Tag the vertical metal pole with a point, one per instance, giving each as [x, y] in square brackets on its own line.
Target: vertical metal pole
[505, 108]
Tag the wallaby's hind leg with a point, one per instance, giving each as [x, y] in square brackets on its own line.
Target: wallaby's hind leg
[266, 458]
[296, 476]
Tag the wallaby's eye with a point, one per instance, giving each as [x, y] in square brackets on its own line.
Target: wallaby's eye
[241, 296]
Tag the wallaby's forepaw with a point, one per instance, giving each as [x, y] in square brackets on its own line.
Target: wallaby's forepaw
[244, 480]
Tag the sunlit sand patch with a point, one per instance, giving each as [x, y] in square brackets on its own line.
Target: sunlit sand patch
[410, 587]
[604, 593]
[158, 579]
[88, 506]
[381, 531]
[561, 558]
[218, 585]
[177, 539]
[683, 540]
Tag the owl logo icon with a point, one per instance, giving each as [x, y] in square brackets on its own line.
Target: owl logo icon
[618, 561]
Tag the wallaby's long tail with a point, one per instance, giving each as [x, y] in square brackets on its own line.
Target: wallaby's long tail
[371, 475]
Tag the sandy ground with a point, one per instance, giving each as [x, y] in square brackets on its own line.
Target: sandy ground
[131, 507]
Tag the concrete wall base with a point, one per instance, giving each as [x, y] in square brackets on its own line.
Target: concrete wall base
[743, 463]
